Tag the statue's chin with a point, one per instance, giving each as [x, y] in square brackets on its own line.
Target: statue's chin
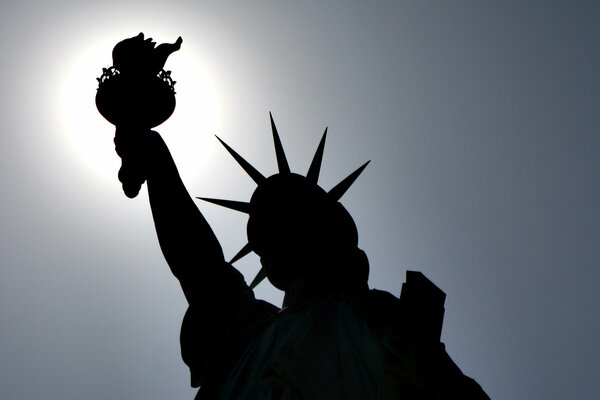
[279, 275]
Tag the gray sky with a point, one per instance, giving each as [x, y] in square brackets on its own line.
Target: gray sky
[480, 118]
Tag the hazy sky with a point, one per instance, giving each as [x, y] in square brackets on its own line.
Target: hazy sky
[481, 120]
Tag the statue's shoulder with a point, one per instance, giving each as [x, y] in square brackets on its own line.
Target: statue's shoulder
[409, 328]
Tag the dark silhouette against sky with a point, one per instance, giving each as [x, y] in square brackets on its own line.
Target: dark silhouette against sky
[334, 338]
[480, 119]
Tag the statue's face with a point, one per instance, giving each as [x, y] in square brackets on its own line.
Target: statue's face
[281, 267]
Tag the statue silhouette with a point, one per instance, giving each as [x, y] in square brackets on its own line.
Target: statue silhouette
[334, 338]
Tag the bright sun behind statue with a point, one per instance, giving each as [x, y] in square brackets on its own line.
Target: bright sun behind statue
[90, 138]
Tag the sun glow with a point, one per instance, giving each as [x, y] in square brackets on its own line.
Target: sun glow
[189, 131]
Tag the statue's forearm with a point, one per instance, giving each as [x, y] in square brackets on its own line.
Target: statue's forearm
[187, 241]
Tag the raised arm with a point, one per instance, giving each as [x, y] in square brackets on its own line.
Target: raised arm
[186, 239]
[135, 94]
[223, 311]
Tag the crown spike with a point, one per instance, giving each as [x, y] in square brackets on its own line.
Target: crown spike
[242, 253]
[234, 205]
[315, 166]
[282, 163]
[262, 274]
[338, 191]
[250, 170]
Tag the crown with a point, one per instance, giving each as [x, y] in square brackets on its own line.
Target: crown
[268, 188]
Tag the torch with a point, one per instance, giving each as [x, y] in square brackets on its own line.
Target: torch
[136, 94]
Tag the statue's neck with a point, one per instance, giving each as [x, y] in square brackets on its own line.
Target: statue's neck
[302, 293]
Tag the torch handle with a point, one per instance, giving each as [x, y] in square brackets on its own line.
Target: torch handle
[129, 146]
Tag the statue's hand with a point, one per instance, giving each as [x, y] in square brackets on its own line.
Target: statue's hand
[134, 148]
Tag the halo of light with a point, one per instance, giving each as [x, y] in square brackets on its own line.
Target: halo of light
[89, 137]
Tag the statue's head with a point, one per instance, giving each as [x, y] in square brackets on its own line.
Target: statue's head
[299, 230]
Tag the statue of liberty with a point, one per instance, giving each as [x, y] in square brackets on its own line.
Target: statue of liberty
[333, 337]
